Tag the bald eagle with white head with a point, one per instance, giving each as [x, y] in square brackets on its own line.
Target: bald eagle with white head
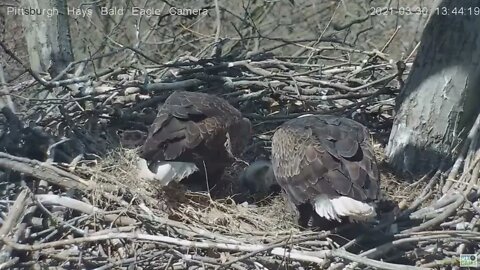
[194, 136]
[326, 166]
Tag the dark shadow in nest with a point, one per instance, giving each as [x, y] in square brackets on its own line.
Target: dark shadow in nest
[227, 190]
[378, 125]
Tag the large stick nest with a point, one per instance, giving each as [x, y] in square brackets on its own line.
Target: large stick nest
[71, 197]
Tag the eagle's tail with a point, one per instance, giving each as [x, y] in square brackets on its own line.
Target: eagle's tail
[342, 206]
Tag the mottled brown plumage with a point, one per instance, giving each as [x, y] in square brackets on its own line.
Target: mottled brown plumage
[324, 155]
[199, 128]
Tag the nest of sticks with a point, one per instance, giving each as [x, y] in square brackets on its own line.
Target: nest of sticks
[71, 198]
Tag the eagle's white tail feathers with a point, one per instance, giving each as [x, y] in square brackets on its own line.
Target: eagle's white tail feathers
[166, 172]
[335, 208]
[324, 208]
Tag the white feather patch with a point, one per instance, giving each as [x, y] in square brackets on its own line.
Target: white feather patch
[324, 208]
[335, 208]
[166, 172]
[303, 115]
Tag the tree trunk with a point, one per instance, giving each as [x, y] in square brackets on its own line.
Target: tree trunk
[48, 36]
[441, 97]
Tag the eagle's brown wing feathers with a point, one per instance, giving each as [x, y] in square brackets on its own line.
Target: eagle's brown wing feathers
[186, 121]
[324, 155]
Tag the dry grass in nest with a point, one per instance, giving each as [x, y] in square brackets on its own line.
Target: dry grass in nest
[227, 217]
[116, 174]
[273, 215]
[394, 187]
[118, 169]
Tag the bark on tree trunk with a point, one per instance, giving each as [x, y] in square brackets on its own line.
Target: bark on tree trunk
[441, 97]
[48, 37]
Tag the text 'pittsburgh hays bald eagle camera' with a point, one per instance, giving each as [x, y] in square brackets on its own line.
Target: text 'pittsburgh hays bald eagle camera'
[325, 165]
[194, 136]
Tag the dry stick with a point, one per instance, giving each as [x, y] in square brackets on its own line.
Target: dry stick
[43, 171]
[473, 133]
[196, 258]
[50, 84]
[323, 32]
[281, 243]
[412, 52]
[318, 258]
[51, 149]
[295, 254]
[385, 248]
[426, 192]
[430, 236]
[462, 180]
[324, 83]
[14, 215]
[19, 233]
[50, 199]
[426, 212]
[9, 264]
[54, 230]
[281, 118]
[440, 218]
[158, 87]
[15, 212]
[117, 263]
[474, 177]
[446, 233]
[59, 221]
[380, 54]
[437, 264]
[468, 165]
[165, 221]
[390, 39]
[370, 262]
[218, 23]
[5, 98]
[49, 173]
[472, 150]
[338, 48]
[134, 236]
[26, 67]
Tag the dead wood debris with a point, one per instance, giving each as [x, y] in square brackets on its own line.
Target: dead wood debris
[69, 202]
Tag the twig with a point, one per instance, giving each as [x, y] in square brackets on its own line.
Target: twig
[372, 263]
[441, 217]
[43, 171]
[472, 134]
[14, 216]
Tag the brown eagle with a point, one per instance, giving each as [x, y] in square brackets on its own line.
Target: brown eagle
[326, 165]
[193, 132]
